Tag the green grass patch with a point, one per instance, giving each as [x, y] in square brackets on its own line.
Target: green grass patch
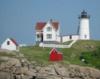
[35, 53]
[92, 58]
[10, 54]
[67, 43]
[70, 55]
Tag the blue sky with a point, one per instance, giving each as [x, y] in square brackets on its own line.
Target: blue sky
[18, 17]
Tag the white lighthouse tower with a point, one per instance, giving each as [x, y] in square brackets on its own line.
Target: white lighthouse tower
[84, 33]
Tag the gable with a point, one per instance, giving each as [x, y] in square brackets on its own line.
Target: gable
[13, 40]
[54, 50]
[41, 25]
[10, 41]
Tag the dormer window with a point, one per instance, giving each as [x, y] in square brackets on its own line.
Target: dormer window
[49, 29]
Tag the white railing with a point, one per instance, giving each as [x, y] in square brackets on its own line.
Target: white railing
[57, 45]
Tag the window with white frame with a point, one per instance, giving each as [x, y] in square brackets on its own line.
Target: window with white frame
[38, 36]
[49, 36]
[49, 29]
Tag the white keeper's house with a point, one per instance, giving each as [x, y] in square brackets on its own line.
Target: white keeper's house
[49, 32]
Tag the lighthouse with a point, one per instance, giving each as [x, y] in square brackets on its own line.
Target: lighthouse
[84, 33]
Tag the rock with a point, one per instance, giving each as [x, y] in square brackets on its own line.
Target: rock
[5, 75]
[4, 58]
[13, 69]
[84, 72]
[70, 72]
[61, 70]
[13, 62]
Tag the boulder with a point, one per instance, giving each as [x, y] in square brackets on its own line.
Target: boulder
[5, 75]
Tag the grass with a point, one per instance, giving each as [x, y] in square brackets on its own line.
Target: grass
[92, 58]
[12, 54]
[36, 53]
[67, 43]
[70, 55]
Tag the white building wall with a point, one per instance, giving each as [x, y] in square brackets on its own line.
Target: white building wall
[53, 32]
[11, 46]
[70, 37]
[65, 38]
[58, 31]
[58, 39]
[75, 37]
[84, 29]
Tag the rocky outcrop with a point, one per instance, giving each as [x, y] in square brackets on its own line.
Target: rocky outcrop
[16, 69]
[20, 68]
[58, 71]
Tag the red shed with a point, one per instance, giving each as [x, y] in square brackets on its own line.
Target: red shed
[55, 55]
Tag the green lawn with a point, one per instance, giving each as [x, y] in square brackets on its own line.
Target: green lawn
[8, 54]
[66, 43]
[36, 53]
[70, 55]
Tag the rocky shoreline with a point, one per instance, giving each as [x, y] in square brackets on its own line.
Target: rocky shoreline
[14, 68]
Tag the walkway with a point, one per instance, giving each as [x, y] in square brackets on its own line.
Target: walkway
[57, 45]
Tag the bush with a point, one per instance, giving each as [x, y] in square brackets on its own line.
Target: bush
[92, 58]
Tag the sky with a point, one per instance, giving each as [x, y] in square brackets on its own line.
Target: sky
[19, 17]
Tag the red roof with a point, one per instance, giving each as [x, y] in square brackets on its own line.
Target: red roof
[55, 25]
[40, 25]
[13, 40]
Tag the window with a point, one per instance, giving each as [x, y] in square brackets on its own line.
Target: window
[8, 42]
[38, 36]
[49, 28]
[49, 36]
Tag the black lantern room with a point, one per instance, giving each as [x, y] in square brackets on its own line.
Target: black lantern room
[84, 15]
